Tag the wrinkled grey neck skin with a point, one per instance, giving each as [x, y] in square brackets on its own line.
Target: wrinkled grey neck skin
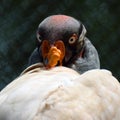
[81, 65]
[90, 60]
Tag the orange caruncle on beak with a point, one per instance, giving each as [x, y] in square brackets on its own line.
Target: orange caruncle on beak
[53, 54]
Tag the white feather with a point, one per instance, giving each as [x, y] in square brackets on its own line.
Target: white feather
[61, 94]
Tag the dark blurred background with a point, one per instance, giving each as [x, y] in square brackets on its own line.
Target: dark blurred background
[19, 20]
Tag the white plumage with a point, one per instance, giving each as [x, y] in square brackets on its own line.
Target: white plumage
[61, 94]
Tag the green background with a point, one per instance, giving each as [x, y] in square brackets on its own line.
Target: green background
[19, 20]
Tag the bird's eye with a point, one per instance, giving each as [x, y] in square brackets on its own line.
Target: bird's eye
[39, 37]
[72, 39]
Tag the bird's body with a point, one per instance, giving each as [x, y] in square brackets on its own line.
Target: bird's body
[61, 94]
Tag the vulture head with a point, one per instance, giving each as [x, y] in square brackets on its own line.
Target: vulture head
[62, 41]
[60, 38]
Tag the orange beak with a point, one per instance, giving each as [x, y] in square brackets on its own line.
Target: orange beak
[53, 55]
